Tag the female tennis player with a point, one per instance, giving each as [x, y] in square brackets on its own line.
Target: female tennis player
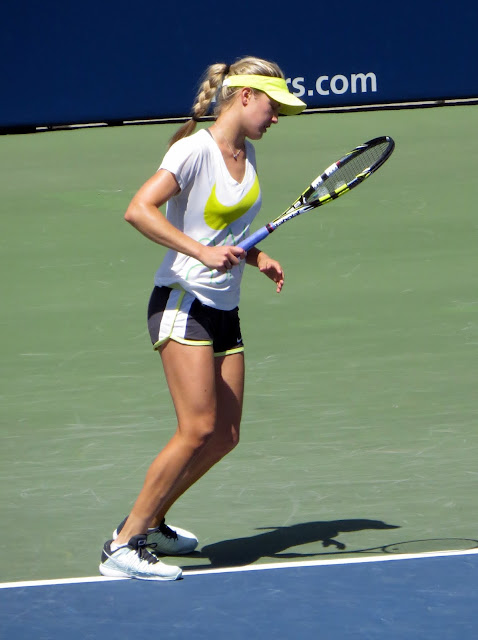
[210, 184]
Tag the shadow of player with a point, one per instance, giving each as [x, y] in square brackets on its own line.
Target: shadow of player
[276, 540]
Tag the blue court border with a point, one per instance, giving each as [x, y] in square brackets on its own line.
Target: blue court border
[425, 596]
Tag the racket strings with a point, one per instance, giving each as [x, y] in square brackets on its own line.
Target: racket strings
[350, 168]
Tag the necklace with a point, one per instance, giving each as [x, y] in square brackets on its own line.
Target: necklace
[235, 154]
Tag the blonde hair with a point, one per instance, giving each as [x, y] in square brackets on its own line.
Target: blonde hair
[211, 87]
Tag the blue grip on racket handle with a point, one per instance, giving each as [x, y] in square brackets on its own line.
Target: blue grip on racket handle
[253, 239]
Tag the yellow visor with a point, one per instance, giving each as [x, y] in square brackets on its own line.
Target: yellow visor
[276, 88]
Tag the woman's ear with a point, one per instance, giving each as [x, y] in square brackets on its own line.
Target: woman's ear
[246, 94]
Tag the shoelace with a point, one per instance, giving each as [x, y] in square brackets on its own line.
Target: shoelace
[146, 555]
[166, 531]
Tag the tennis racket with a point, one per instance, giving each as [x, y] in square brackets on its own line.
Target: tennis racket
[342, 176]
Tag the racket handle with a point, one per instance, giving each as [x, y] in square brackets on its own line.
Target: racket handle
[256, 237]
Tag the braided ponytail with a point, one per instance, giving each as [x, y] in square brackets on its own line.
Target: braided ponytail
[213, 78]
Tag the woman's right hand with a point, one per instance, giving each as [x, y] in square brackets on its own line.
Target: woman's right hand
[221, 258]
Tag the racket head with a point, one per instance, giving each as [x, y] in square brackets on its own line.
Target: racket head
[350, 171]
[342, 176]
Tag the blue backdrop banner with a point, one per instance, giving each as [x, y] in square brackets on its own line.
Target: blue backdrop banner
[109, 61]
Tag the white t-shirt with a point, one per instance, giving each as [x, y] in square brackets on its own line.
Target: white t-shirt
[212, 208]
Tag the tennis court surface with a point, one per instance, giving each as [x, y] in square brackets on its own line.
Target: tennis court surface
[359, 434]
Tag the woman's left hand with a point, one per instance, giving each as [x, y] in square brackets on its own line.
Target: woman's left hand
[272, 269]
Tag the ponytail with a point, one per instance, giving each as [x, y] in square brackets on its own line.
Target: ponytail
[213, 79]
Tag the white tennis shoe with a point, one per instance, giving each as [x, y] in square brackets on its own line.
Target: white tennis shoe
[135, 560]
[167, 540]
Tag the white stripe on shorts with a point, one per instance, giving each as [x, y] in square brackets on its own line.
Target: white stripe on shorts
[175, 319]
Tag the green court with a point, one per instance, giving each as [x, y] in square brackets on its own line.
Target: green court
[359, 429]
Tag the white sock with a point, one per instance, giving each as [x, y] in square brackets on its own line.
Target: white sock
[114, 546]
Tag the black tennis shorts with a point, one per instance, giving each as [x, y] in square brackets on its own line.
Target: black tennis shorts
[175, 314]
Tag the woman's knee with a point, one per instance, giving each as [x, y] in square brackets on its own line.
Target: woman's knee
[224, 443]
[198, 433]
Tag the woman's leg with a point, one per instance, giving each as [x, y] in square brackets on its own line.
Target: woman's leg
[229, 382]
[191, 376]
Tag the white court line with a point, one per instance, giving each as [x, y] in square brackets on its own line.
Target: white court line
[254, 567]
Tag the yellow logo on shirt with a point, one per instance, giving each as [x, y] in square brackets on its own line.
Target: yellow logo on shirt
[218, 216]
